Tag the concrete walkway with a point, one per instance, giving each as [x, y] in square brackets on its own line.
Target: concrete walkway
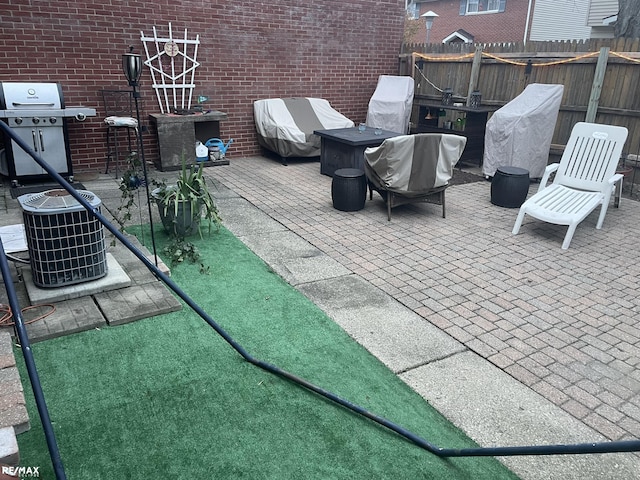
[514, 340]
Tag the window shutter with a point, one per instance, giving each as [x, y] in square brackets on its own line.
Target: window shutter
[463, 7]
[502, 5]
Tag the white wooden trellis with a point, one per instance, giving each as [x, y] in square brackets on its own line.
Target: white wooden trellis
[175, 67]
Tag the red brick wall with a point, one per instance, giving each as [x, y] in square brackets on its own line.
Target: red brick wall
[249, 50]
[507, 26]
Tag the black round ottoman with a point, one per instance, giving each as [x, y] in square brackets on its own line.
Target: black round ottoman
[348, 189]
[509, 187]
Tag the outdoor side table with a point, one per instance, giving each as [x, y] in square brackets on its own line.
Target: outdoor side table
[348, 189]
[509, 187]
[344, 147]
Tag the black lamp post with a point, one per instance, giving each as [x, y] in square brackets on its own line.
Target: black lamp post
[132, 67]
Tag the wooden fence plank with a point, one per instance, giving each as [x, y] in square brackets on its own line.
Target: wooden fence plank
[500, 81]
[596, 87]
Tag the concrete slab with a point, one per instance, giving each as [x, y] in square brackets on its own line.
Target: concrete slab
[14, 418]
[492, 408]
[293, 258]
[17, 417]
[114, 279]
[156, 260]
[9, 454]
[13, 411]
[136, 302]
[243, 218]
[302, 270]
[137, 272]
[70, 316]
[400, 338]
[21, 293]
[7, 358]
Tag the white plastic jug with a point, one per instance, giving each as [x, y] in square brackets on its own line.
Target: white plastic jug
[202, 152]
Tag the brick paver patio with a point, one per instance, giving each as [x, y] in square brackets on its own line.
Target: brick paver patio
[562, 322]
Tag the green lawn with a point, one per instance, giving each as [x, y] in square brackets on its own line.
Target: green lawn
[166, 397]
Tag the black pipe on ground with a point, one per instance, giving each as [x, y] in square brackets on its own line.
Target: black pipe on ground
[21, 331]
[581, 448]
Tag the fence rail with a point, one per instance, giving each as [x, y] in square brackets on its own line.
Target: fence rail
[600, 79]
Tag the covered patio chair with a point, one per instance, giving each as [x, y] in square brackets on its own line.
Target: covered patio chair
[413, 168]
[391, 103]
[286, 125]
[584, 179]
[520, 133]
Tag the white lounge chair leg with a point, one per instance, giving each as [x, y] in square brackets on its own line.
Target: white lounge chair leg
[569, 236]
[603, 212]
[516, 226]
[617, 193]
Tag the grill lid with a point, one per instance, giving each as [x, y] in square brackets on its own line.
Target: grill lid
[54, 201]
[29, 96]
[38, 99]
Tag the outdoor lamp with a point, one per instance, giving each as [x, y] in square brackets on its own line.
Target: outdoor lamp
[476, 98]
[132, 66]
[429, 17]
[447, 96]
[528, 68]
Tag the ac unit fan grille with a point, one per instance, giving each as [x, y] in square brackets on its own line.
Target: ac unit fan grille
[66, 245]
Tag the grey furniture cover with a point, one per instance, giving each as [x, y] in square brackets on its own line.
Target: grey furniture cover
[286, 125]
[411, 168]
[391, 103]
[519, 134]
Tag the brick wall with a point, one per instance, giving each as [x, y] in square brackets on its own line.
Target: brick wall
[249, 50]
[507, 26]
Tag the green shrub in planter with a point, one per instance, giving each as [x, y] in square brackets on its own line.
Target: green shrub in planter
[183, 204]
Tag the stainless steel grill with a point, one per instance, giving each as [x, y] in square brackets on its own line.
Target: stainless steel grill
[37, 114]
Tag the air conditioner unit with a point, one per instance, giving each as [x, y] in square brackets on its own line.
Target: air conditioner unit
[66, 242]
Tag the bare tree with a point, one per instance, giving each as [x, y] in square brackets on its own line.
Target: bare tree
[628, 23]
[411, 28]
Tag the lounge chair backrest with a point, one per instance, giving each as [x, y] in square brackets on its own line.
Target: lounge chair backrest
[591, 156]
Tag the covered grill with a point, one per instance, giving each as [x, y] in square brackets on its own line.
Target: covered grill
[37, 114]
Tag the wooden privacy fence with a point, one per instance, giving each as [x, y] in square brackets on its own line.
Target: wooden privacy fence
[600, 79]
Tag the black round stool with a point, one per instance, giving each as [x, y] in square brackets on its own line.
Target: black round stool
[509, 187]
[348, 189]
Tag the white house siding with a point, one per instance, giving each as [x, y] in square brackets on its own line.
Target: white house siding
[560, 20]
[601, 9]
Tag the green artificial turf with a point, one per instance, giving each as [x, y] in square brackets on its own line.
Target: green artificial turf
[168, 398]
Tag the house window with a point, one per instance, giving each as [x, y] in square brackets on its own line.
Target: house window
[412, 9]
[470, 7]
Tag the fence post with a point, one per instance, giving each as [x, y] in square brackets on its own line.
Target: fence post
[475, 73]
[596, 87]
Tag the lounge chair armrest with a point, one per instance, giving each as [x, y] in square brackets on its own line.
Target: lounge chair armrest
[616, 178]
[547, 172]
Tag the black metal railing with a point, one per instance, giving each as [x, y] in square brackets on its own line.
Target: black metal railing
[561, 449]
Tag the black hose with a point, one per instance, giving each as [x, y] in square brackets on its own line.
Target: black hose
[583, 448]
[32, 371]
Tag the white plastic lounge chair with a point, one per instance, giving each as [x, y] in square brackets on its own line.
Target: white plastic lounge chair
[585, 178]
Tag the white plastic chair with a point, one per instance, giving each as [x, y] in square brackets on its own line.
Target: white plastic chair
[585, 178]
